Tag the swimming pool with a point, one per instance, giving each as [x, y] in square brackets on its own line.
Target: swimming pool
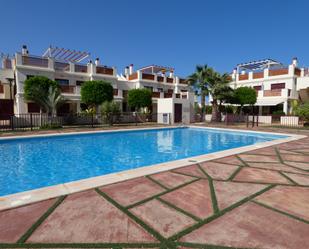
[35, 162]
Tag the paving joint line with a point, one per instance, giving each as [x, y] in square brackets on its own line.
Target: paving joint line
[156, 182]
[43, 217]
[279, 211]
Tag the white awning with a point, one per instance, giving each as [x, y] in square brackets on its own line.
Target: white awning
[268, 102]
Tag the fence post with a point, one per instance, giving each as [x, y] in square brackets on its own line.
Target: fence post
[31, 125]
[253, 117]
[12, 123]
[92, 120]
[226, 119]
[257, 120]
[247, 120]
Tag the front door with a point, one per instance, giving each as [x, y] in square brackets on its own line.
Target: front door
[178, 113]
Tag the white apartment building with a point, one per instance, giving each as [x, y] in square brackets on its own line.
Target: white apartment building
[276, 84]
[66, 67]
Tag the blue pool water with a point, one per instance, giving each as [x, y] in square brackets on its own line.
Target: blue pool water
[31, 163]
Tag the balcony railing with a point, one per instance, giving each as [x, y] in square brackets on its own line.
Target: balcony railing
[272, 93]
[67, 89]
[61, 66]
[258, 75]
[133, 76]
[115, 92]
[243, 77]
[275, 72]
[146, 76]
[81, 68]
[168, 95]
[160, 78]
[169, 80]
[104, 70]
[156, 94]
[34, 61]
[182, 81]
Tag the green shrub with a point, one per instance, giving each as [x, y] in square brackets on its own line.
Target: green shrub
[110, 110]
[303, 111]
[94, 93]
[139, 98]
[50, 126]
[279, 112]
[208, 109]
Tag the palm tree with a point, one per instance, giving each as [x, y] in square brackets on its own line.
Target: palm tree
[207, 81]
[219, 89]
[53, 100]
[198, 80]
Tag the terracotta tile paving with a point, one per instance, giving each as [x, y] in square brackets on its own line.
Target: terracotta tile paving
[304, 166]
[299, 179]
[228, 193]
[259, 158]
[248, 174]
[191, 170]
[162, 218]
[252, 226]
[132, 191]
[15, 222]
[194, 198]
[277, 166]
[293, 200]
[171, 180]
[219, 171]
[88, 217]
[295, 158]
[276, 218]
[230, 160]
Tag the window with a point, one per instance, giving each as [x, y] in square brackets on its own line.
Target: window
[160, 89]
[257, 88]
[79, 82]
[62, 81]
[29, 76]
[277, 86]
[33, 108]
[149, 87]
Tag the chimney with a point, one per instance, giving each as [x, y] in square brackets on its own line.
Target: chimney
[126, 71]
[131, 69]
[24, 50]
[97, 61]
[171, 74]
[235, 71]
[294, 61]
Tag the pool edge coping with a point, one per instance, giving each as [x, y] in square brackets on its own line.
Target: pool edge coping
[49, 192]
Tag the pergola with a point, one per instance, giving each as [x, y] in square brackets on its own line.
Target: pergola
[155, 69]
[65, 55]
[258, 65]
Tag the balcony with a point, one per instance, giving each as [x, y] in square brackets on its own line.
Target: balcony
[146, 76]
[156, 94]
[272, 93]
[133, 76]
[68, 89]
[34, 61]
[79, 68]
[182, 81]
[168, 95]
[104, 70]
[243, 77]
[281, 71]
[160, 78]
[258, 75]
[169, 80]
[61, 66]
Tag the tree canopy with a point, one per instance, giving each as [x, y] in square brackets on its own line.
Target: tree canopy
[39, 90]
[94, 93]
[303, 111]
[244, 96]
[139, 98]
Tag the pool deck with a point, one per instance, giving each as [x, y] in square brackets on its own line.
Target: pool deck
[254, 199]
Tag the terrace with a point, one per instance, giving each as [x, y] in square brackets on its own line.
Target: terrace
[156, 74]
[263, 194]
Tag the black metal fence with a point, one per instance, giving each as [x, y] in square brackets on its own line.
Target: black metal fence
[34, 121]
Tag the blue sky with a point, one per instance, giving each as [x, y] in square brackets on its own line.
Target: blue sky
[173, 33]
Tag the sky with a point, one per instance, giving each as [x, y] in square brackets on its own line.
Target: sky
[179, 34]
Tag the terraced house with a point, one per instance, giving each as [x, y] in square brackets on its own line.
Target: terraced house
[65, 66]
[277, 85]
